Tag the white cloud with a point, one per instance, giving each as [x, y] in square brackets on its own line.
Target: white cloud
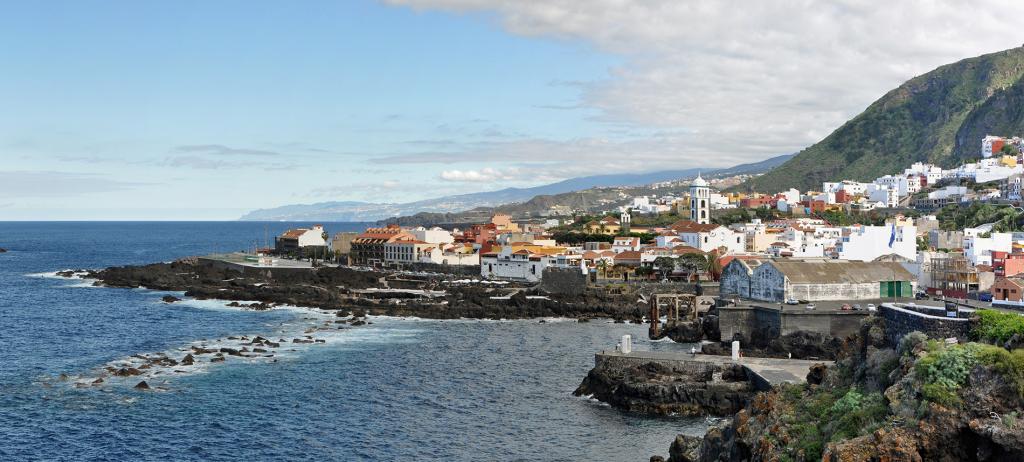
[747, 80]
[484, 175]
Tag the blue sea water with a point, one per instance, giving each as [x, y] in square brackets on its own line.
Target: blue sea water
[399, 389]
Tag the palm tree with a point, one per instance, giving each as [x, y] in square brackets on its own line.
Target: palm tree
[602, 265]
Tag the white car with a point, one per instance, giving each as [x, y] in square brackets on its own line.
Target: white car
[810, 306]
[792, 301]
[872, 308]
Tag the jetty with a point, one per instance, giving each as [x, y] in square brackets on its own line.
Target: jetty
[765, 373]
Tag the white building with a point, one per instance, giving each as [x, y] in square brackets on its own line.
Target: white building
[720, 201]
[930, 172]
[463, 255]
[904, 185]
[852, 188]
[887, 196]
[1011, 187]
[980, 241]
[623, 244]
[866, 243]
[708, 237]
[524, 265]
[433, 235]
[700, 196]
[295, 239]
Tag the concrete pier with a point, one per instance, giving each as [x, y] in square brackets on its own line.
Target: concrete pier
[766, 373]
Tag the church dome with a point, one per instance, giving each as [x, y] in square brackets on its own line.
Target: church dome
[699, 182]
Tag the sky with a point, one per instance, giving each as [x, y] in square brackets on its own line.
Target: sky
[127, 110]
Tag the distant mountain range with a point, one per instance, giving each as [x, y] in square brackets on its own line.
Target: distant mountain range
[368, 211]
[938, 117]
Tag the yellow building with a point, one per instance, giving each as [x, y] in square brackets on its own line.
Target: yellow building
[504, 222]
[606, 225]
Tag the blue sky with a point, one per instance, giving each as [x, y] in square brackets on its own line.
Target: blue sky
[209, 109]
[206, 110]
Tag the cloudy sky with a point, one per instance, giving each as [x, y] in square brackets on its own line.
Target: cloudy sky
[205, 110]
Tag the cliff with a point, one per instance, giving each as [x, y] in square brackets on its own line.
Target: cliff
[919, 400]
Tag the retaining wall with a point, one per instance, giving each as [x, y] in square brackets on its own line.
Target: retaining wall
[900, 321]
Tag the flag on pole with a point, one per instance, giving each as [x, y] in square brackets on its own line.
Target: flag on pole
[892, 236]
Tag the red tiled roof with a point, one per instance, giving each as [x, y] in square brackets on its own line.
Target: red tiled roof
[685, 249]
[687, 226]
[628, 255]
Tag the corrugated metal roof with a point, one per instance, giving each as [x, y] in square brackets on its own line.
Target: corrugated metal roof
[827, 271]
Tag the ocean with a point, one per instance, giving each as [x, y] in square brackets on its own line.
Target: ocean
[397, 389]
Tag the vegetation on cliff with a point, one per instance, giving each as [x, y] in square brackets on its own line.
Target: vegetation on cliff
[954, 217]
[920, 400]
[937, 117]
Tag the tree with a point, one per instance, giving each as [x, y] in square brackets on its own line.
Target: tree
[693, 264]
[665, 266]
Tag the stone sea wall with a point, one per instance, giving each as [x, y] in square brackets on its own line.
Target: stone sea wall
[902, 321]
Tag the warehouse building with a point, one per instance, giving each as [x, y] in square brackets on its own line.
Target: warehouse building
[778, 280]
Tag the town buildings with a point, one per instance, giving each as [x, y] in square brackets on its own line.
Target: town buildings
[300, 239]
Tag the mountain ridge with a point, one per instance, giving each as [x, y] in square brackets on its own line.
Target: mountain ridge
[370, 211]
[939, 117]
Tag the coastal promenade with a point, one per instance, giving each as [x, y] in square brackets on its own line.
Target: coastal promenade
[769, 372]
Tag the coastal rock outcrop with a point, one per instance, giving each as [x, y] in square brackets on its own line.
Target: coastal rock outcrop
[653, 388]
[918, 401]
[685, 448]
[170, 299]
[343, 289]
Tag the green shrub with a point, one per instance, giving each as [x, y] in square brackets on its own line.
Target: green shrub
[911, 341]
[997, 326]
[1008, 364]
[944, 369]
[948, 366]
[855, 414]
[941, 393]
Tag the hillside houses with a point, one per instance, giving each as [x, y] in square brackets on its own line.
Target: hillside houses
[785, 236]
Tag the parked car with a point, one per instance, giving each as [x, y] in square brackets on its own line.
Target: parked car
[921, 296]
[810, 306]
[872, 308]
[984, 297]
[792, 301]
[857, 307]
[846, 307]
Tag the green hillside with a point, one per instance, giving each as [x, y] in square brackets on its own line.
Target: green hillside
[938, 117]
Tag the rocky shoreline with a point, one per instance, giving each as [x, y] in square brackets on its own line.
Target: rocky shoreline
[348, 290]
[919, 400]
[657, 389]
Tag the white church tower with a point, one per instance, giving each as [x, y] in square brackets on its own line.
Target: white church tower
[700, 201]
